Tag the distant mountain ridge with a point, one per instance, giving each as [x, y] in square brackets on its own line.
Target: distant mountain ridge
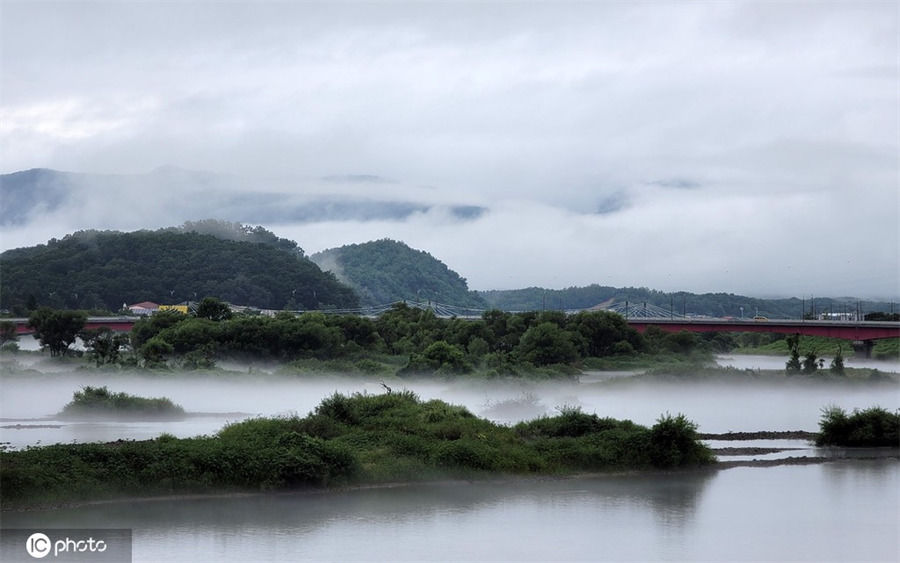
[175, 194]
[386, 271]
[681, 302]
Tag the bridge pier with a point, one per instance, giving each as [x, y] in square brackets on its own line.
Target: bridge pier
[863, 348]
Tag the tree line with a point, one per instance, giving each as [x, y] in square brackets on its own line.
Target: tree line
[498, 342]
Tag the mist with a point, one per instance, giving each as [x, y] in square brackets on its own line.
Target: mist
[33, 395]
[747, 148]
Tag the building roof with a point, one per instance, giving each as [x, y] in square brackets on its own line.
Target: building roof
[144, 305]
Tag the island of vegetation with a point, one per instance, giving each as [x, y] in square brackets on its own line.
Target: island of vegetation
[99, 402]
[872, 427]
[347, 440]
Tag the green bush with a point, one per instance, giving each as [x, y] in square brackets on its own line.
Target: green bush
[673, 443]
[872, 427]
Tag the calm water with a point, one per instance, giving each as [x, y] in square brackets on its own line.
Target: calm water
[839, 511]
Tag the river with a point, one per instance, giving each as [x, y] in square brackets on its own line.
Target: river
[843, 510]
[839, 511]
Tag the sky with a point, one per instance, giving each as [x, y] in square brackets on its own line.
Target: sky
[717, 146]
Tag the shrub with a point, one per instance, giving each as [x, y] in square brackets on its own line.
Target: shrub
[673, 443]
[873, 427]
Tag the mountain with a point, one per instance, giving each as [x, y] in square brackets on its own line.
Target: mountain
[106, 269]
[32, 191]
[385, 271]
[169, 195]
[708, 304]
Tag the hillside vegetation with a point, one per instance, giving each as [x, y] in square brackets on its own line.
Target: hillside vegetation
[385, 271]
[106, 269]
[708, 304]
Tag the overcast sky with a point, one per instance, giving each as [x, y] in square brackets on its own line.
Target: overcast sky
[747, 147]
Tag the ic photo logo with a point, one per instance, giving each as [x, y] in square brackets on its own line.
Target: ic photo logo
[38, 545]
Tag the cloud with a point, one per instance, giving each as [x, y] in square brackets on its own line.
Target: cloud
[666, 145]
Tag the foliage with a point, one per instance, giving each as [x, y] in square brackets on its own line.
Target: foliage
[503, 343]
[213, 309]
[103, 345]
[673, 443]
[837, 364]
[793, 364]
[872, 427]
[810, 362]
[887, 349]
[347, 439]
[99, 401]
[56, 330]
[546, 344]
[718, 305]
[386, 271]
[104, 269]
[155, 351]
[8, 332]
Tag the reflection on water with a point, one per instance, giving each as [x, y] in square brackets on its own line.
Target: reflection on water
[839, 511]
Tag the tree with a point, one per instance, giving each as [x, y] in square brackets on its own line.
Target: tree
[213, 309]
[810, 364]
[546, 344]
[8, 332]
[837, 364]
[793, 364]
[55, 329]
[155, 350]
[103, 344]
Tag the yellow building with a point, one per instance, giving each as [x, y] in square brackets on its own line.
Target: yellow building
[179, 308]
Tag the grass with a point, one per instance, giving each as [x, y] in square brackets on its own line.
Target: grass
[100, 402]
[346, 440]
[884, 349]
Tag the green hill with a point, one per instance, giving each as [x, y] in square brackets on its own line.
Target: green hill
[385, 271]
[106, 269]
[708, 304]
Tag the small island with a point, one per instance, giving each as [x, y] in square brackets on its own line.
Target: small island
[100, 402]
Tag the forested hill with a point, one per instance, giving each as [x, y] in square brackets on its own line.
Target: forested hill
[385, 271]
[106, 269]
[710, 304]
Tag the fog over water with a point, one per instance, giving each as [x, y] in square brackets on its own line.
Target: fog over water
[216, 399]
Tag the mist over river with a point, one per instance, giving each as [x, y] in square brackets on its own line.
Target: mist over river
[722, 406]
[842, 510]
